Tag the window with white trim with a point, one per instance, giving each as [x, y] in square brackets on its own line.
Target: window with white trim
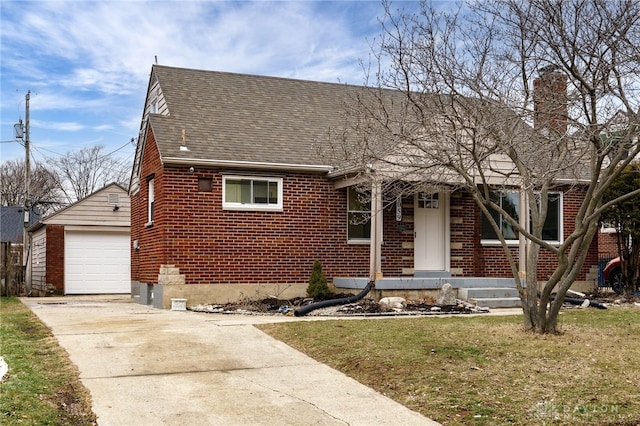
[251, 193]
[510, 202]
[150, 200]
[358, 216]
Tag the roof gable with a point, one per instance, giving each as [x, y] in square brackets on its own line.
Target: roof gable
[11, 222]
[97, 209]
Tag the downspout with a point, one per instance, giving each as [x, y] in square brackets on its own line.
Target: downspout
[375, 263]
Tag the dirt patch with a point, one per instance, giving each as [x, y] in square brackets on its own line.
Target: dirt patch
[609, 299]
[75, 406]
[370, 307]
[363, 307]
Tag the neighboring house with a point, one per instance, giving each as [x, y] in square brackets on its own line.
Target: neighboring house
[83, 248]
[12, 224]
[12, 220]
[230, 199]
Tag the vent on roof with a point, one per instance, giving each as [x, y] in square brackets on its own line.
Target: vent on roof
[113, 198]
[183, 144]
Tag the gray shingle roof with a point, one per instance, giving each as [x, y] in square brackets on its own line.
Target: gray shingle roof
[11, 223]
[246, 118]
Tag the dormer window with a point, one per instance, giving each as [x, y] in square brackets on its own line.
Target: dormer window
[153, 99]
[153, 106]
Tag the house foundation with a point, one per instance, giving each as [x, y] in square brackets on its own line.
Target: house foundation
[488, 292]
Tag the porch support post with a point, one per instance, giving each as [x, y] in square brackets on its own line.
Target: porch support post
[522, 242]
[375, 262]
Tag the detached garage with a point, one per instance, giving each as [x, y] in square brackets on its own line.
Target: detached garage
[84, 248]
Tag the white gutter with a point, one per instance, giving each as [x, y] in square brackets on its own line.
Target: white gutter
[246, 164]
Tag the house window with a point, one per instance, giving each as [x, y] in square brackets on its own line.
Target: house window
[153, 106]
[153, 99]
[510, 202]
[251, 193]
[150, 200]
[427, 200]
[358, 216]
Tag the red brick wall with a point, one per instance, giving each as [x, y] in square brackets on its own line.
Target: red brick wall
[211, 245]
[394, 257]
[465, 228]
[145, 262]
[608, 244]
[55, 257]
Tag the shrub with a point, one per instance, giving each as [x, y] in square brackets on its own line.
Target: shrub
[318, 288]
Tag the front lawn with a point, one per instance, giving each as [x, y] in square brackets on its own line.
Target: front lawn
[42, 385]
[486, 370]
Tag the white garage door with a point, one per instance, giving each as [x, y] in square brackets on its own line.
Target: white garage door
[96, 262]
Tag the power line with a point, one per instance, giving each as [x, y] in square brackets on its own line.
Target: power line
[116, 150]
[40, 149]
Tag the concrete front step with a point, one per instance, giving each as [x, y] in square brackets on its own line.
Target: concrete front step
[491, 297]
[496, 302]
[486, 292]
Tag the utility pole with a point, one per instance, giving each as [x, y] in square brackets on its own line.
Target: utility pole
[27, 166]
[27, 203]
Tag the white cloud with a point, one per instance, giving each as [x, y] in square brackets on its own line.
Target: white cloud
[103, 127]
[59, 126]
[111, 48]
[87, 63]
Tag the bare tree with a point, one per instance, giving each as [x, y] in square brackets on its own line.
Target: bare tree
[463, 114]
[85, 171]
[43, 188]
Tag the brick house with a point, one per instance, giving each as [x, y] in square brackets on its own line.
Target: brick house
[230, 199]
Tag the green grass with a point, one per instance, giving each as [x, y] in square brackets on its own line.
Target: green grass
[487, 370]
[42, 386]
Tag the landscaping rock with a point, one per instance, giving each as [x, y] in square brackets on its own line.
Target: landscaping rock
[393, 303]
[447, 297]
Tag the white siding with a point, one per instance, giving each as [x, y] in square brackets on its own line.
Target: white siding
[97, 209]
[38, 260]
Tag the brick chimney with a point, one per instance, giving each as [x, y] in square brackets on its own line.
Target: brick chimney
[550, 101]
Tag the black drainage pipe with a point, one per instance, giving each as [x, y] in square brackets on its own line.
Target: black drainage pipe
[333, 302]
[592, 304]
[576, 301]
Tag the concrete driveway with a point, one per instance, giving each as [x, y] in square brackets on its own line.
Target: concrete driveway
[145, 366]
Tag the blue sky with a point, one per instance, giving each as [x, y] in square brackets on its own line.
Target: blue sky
[87, 63]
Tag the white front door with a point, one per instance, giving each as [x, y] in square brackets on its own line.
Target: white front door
[430, 245]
